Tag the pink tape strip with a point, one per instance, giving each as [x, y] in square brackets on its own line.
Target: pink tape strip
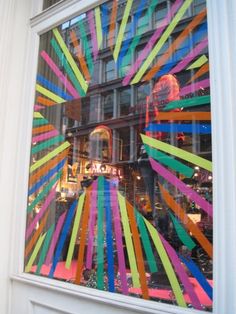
[182, 274]
[38, 107]
[166, 174]
[93, 34]
[118, 237]
[194, 53]
[91, 226]
[194, 87]
[55, 238]
[47, 202]
[59, 74]
[44, 136]
[151, 42]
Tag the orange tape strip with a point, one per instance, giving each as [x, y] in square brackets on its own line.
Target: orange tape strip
[80, 56]
[37, 233]
[52, 163]
[43, 129]
[111, 36]
[138, 250]
[196, 21]
[204, 69]
[44, 101]
[196, 232]
[83, 237]
[182, 116]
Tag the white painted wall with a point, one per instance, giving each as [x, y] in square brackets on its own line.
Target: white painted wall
[18, 50]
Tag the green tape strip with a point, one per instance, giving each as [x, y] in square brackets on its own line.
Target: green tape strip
[85, 44]
[178, 152]
[46, 144]
[75, 230]
[182, 233]
[44, 192]
[198, 63]
[100, 239]
[166, 264]
[67, 67]
[169, 161]
[44, 249]
[38, 115]
[35, 253]
[162, 41]
[127, 58]
[120, 36]
[128, 241]
[190, 102]
[49, 156]
[98, 26]
[49, 94]
[38, 122]
[70, 59]
[146, 243]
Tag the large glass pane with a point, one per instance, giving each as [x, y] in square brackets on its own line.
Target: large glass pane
[120, 175]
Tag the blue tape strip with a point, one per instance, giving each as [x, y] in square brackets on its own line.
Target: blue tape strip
[196, 37]
[63, 236]
[110, 258]
[105, 17]
[199, 276]
[52, 87]
[173, 127]
[44, 179]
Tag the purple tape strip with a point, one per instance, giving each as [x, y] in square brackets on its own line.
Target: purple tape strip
[182, 274]
[93, 34]
[44, 136]
[166, 174]
[44, 207]
[60, 75]
[91, 226]
[55, 238]
[151, 42]
[119, 243]
[194, 53]
[194, 87]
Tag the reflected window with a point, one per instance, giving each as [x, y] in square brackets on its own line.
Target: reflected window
[49, 3]
[124, 98]
[160, 14]
[109, 70]
[107, 105]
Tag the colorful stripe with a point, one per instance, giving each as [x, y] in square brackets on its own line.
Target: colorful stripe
[203, 70]
[59, 75]
[44, 101]
[186, 103]
[169, 161]
[46, 144]
[122, 29]
[111, 36]
[55, 237]
[179, 211]
[49, 94]
[75, 231]
[38, 115]
[118, 237]
[70, 59]
[198, 63]
[192, 88]
[35, 253]
[183, 116]
[162, 40]
[44, 136]
[98, 26]
[128, 241]
[49, 156]
[166, 264]
[38, 122]
[175, 128]
[93, 34]
[62, 238]
[178, 152]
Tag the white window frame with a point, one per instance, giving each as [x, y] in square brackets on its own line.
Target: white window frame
[222, 51]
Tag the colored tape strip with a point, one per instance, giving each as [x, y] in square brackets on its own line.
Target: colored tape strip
[44, 101]
[49, 94]
[198, 63]
[42, 129]
[192, 88]
[203, 70]
[180, 213]
[38, 122]
[128, 241]
[98, 26]
[49, 156]
[109, 239]
[120, 36]
[175, 128]
[111, 36]
[44, 136]
[166, 264]
[161, 41]
[38, 115]
[119, 242]
[46, 144]
[62, 238]
[181, 186]
[186, 103]
[178, 152]
[182, 116]
[75, 230]
[93, 34]
[70, 59]
[35, 253]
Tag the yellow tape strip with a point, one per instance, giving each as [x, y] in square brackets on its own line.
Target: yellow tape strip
[49, 94]
[98, 26]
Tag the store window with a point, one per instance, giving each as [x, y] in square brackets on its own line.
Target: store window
[49, 3]
[160, 14]
[122, 201]
[142, 24]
